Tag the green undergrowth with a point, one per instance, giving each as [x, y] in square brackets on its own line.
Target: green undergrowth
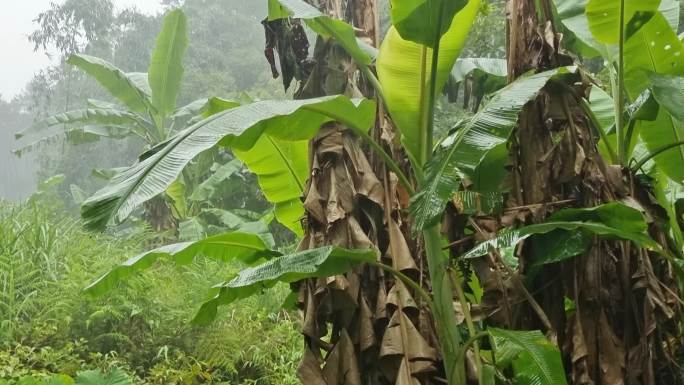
[49, 326]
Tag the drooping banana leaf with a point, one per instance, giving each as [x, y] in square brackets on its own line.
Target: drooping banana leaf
[236, 246]
[96, 119]
[403, 68]
[424, 21]
[487, 75]
[119, 84]
[90, 115]
[534, 359]
[479, 65]
[282, 168]
[321, 262]
[166, 67]
[323, 25]
[238, 128]
[490, 127]
[612, 220]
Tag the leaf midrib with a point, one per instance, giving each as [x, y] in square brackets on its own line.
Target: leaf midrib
[288, 164]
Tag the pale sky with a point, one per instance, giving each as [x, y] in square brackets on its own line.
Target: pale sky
[18, 62]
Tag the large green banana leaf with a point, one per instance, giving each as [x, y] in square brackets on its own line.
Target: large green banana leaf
[425, 21]
[403, 67]
[166, 67]
[604, 17]
[235, 246]
[282, 168]
[321, 262]
[111, 123]
[490, 127]
[668, 128]
[122, 86]
[573, 17]
[323, 25]
[238, 128]
[655, 48]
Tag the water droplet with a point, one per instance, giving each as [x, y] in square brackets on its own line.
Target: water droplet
[667, 47]
[605, 14]
[677, 53]
[653, 44]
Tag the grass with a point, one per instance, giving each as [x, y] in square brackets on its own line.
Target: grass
[48, 325]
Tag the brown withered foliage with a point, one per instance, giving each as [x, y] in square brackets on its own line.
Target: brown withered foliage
[363, 327]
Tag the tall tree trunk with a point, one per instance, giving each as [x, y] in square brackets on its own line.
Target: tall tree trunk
[370, 327]
[624, 297]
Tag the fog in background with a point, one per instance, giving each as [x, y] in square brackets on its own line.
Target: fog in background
[224, 58]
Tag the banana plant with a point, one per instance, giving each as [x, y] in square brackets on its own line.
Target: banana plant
[145, 109]
[412, 65]
[640, 124]
[638, 39]
[146, 105]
